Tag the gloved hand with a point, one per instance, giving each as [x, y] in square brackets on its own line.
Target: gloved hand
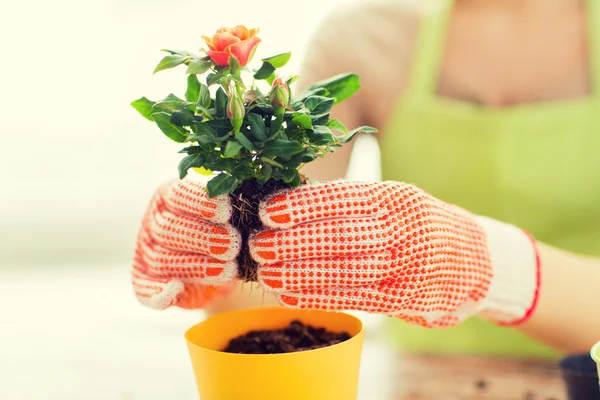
[392, 248]
[186, 249]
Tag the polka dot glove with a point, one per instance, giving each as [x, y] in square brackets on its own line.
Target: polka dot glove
[186, 250]
[391, 248]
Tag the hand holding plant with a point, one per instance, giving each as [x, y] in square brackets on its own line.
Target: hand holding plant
[247, 130]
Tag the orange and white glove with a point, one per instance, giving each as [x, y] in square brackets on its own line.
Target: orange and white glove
[393, 249]
[186, 249]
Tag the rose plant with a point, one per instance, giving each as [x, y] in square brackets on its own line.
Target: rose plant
[244, 126]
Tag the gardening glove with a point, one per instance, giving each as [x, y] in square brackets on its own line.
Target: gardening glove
[186, 249]
[392, 248]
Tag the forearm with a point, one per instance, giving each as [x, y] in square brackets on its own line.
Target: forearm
[549, 294]
[567, 316]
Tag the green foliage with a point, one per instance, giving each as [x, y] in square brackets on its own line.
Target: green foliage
[198, 67]
[193, 88]
[144, 107]
[270, 144]
[265, 71]
[279, 60]
[170, 62]
[339, 87]
[302, 120]
[172, 131]
[172, 103]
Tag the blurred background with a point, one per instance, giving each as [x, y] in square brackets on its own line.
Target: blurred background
[78, 163]
[78, 166]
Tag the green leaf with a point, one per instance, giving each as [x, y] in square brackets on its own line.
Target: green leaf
[319, 105]
[232, 148]
[244, 141]
[296, 180]
[203, 97]
[190, 161]
[182, 118]
[279, 60]
[257, 127]
[339, 87]
[322, 129]
[179, 52]
[191, 150]
[193, 88]
[291, 176]
[203, 171]
[337, 125]
[275, 126]
[144, 107]
[207, 111]
[320, 120]
[173, 103]
[210, 132]
[321, 139]
[321, 135]
[243, 172]
[221, 184]
[221, 103]
[271, 78]
[288, 175]
[206, 147]
[170, 62]
[206, 134]
[363, 129]
[302, 120]
[213, 79]
[266, 108]
[221, 164]
[294, 162]
[222, 126]
[173, 132]
[234, 64]
[304, 157]
[197, 66]
[265, 173]
[271, 162]
[292, 79]
[264, 71]
[282, 148]
[297, 102]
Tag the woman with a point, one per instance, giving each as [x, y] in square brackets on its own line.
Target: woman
[489, 111]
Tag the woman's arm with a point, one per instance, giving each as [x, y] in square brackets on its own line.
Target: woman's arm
[401, 252]
[568, 311]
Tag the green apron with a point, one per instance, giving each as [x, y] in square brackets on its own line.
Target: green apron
[535, 166]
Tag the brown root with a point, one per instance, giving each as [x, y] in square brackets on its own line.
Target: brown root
[245, 201]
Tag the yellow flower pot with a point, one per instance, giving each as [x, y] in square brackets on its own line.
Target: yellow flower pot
[329, 373]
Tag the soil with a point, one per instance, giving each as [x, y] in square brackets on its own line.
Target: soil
[245, 200]
[295, 337]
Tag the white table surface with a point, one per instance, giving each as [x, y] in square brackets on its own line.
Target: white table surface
[76, 332]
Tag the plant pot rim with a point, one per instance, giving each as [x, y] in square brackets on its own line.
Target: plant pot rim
[294, 315]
